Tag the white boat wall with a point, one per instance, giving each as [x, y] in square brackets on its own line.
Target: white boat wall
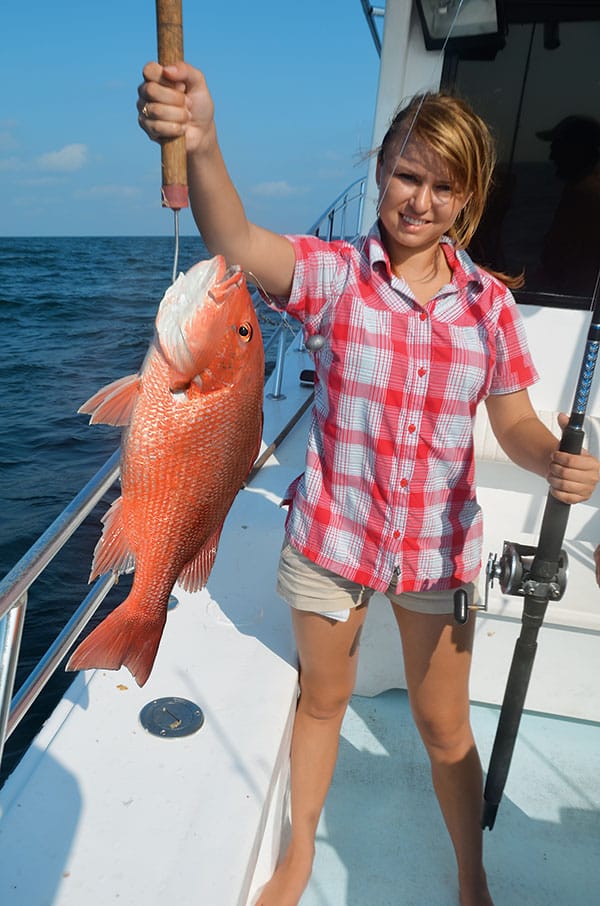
[102, 809]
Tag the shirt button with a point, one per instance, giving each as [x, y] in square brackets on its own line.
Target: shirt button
[396, 534]
[403, 482]
[412, 429]
[423, 316]
[421, 372]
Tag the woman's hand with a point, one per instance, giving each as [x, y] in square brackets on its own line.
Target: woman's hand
[174, 101]
[572, 477]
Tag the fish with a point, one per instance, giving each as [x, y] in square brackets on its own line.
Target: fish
[192, 420]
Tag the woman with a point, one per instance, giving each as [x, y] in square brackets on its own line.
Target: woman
[412, 337]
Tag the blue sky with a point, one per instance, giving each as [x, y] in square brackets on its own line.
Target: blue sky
[294, 85]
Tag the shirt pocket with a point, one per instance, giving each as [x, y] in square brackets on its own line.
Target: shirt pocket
[468, 363]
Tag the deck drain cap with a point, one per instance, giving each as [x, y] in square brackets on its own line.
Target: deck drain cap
[171, 717]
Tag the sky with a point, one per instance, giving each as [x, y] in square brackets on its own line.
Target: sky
[294, 83]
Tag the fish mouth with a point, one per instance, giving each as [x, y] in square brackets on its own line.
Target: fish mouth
[231, 276]
[201, 278]
[192, 317]
[212, 278]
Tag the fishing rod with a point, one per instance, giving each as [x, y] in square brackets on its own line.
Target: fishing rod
[174, 190]
[538, 574]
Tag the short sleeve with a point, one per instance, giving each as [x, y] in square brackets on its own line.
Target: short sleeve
[320, 273]
[514, 369]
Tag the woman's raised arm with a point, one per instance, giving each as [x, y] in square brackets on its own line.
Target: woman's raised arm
[173, 101]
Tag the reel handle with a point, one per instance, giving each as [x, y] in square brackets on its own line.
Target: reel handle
[461, 606]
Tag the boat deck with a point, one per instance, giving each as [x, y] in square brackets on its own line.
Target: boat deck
[99, 810]
[381, 838]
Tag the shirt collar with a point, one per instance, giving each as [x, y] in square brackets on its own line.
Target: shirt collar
[464, 271]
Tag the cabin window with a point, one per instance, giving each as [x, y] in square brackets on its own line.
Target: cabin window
[541, 96]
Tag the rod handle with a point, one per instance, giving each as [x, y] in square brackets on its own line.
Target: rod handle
[572, 439]
[169, 33]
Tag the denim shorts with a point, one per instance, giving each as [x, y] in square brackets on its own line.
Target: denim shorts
[307, 586]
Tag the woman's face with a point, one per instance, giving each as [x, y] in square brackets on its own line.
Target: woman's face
[418, 199]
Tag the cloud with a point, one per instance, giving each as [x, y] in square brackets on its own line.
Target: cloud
[66, 160]
[109, 191]
[277, 189]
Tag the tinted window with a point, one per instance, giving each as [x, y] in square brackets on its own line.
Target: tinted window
[541, 96]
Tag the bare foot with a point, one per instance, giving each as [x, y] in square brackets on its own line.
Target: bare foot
[290, 879]
[475, 893]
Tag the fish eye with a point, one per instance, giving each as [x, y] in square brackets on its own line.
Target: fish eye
[245, 331]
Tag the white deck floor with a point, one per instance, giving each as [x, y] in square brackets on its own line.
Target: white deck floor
[381, 839]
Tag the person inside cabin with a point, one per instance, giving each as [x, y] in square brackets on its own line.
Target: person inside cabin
[570, 256]
[412, 337]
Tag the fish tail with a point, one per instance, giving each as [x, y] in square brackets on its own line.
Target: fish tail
[123, 639]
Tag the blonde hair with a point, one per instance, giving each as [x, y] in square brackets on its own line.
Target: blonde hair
[461, 138]
[450, 127]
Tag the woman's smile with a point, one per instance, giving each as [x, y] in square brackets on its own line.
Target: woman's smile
[418, 198]
[412, 221]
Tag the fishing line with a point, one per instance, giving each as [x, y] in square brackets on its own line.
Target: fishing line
[176, 251]
[595, 291]
[360, 240]
[383, 190]
[283, 321]
[417, 111]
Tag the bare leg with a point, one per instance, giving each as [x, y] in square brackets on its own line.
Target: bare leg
[437, 656]
[328, 653]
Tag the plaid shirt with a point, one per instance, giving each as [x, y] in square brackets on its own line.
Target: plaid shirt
[388, 491]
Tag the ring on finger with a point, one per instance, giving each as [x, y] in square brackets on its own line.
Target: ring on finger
[145, 111]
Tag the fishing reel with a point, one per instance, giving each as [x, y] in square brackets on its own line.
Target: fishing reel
[513, 571]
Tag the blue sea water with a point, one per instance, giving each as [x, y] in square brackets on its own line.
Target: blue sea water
[75, 314]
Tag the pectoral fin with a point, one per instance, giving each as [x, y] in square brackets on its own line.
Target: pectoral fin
[113, 404]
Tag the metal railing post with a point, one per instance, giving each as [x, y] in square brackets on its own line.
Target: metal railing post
[279, 362]
[46, 667]
[11, 631]
[37, 558]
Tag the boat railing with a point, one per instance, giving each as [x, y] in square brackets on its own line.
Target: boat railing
[340, 219]
[14, 589]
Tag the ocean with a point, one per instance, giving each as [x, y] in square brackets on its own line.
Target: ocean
[75, 314]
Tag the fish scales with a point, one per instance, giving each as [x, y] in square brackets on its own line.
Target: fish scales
[193, 425]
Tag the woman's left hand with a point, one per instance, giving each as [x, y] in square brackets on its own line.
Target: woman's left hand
[572, 476]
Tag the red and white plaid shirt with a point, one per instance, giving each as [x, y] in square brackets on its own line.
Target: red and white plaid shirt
[388, 490]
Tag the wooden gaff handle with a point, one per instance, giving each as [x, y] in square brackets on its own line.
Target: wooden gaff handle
[169, 32]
